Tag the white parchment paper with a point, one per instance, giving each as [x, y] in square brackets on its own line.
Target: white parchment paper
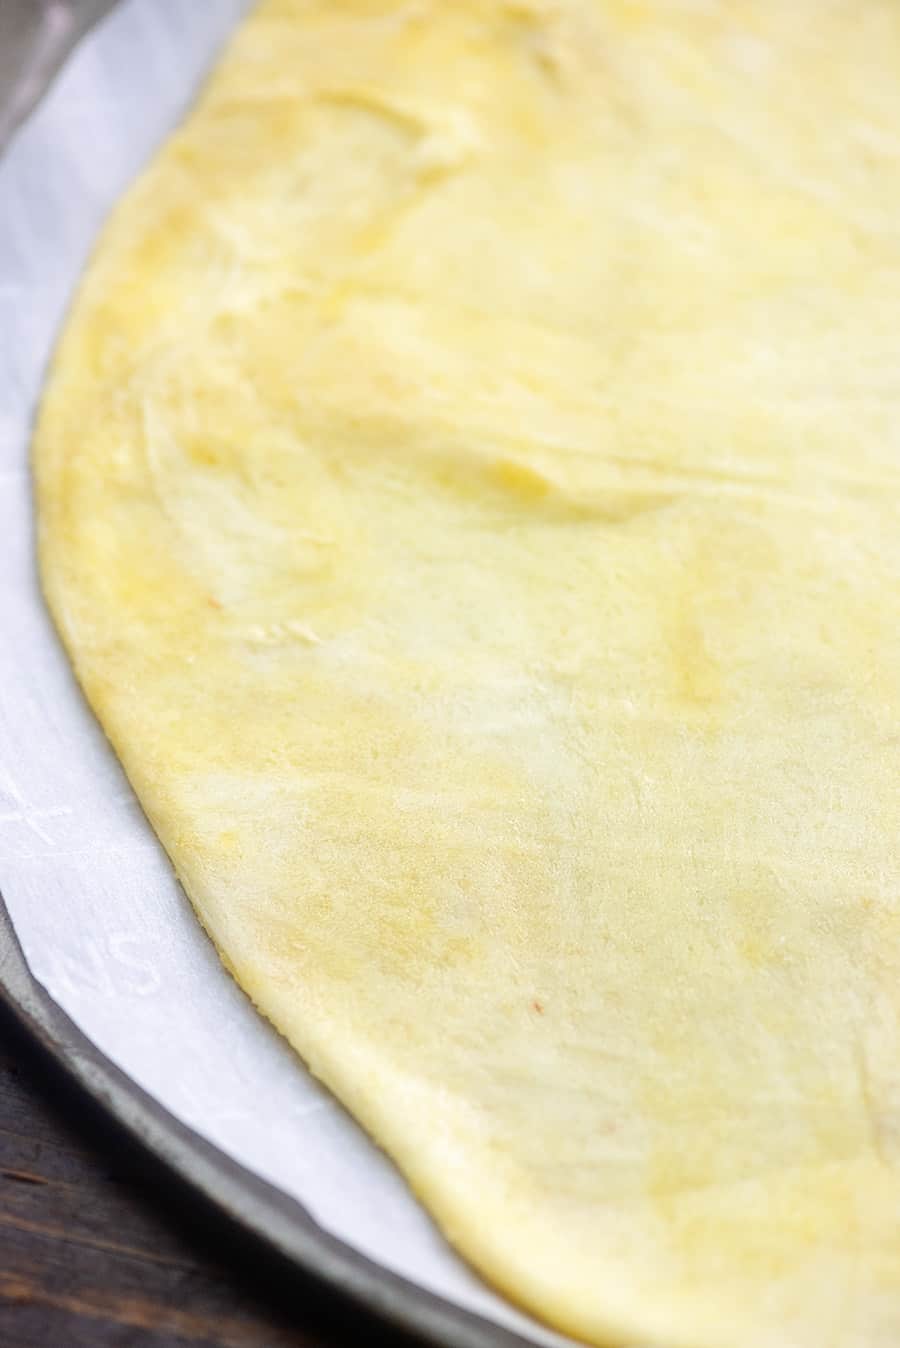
[102, 922]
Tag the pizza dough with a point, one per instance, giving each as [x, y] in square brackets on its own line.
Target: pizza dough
[468, 491]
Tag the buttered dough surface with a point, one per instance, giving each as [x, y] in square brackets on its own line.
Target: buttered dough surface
[468, 489]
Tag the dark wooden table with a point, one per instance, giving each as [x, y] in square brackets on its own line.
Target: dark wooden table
[99, 1247]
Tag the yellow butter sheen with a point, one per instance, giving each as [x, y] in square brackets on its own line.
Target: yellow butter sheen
[468, 490]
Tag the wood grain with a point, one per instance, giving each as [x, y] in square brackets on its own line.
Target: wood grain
[99, 1247]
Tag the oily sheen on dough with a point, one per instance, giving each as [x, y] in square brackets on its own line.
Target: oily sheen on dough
[468, 491]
